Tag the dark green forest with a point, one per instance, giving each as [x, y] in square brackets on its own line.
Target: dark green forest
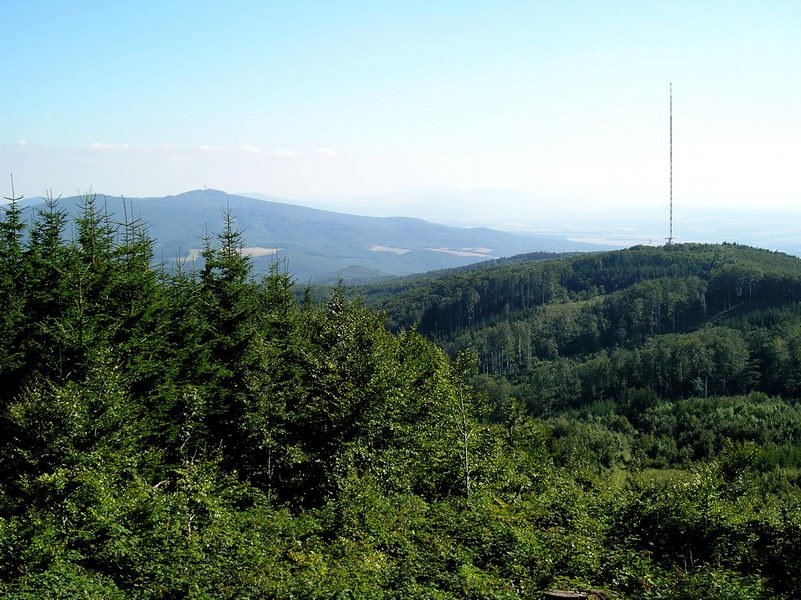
[625, 422]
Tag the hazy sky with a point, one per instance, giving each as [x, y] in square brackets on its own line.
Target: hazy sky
[566, 101]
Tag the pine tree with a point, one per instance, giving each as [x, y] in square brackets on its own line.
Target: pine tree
[228, 311]
[48, 291]
[278, 381]
[12, 299]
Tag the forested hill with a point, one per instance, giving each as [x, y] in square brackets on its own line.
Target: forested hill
[626, 334]
[679, 284]
[204, 434]
[677, 320]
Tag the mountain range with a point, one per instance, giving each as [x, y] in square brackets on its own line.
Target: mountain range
[317, 245]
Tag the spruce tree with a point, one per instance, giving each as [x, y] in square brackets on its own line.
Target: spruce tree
[12, 299]
[228, 309]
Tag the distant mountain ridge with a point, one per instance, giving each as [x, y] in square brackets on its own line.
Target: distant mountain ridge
[316, 244]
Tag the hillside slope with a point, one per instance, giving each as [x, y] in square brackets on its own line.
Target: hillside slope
[449, 302]
[678, 321]
[316, 244]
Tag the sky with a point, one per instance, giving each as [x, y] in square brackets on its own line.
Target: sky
[511, 111]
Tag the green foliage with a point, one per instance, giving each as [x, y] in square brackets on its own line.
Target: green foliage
[203, 435]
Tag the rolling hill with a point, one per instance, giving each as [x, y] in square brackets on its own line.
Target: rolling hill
[317, 245]
[676, 321]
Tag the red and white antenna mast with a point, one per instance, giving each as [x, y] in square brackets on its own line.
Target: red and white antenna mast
[670, 235]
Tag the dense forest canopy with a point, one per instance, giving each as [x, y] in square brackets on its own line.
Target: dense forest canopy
[625, 422]
[632, 334]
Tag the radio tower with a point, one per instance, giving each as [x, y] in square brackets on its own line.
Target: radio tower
[670, 236]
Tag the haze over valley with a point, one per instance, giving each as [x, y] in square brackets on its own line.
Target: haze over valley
[432, 299]
[614, 225]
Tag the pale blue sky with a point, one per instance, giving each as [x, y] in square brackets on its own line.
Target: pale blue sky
[564, 101]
